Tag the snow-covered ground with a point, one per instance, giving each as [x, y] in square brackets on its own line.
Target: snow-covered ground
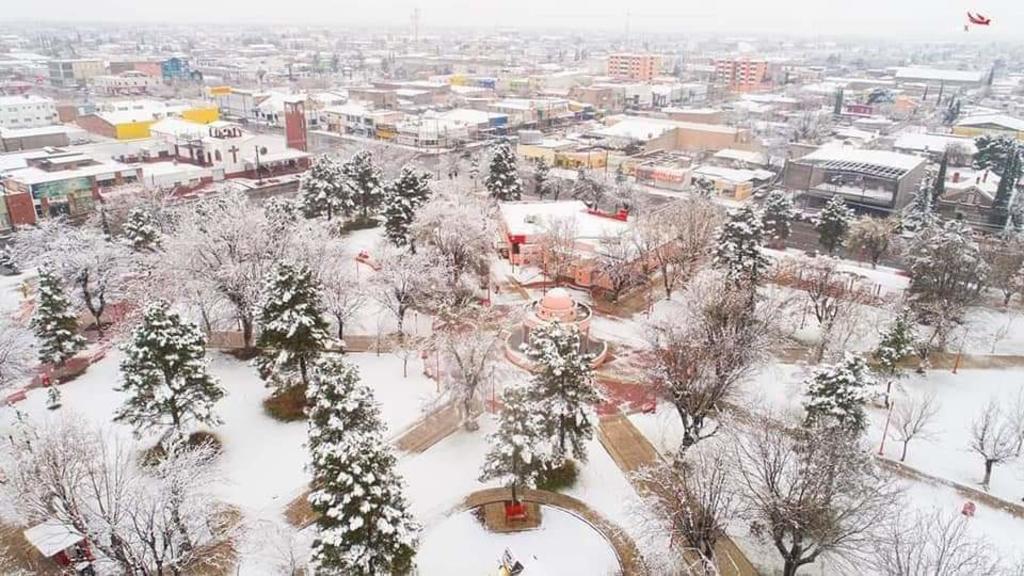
[562, 545]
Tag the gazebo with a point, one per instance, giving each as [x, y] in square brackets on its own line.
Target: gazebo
[557, 305]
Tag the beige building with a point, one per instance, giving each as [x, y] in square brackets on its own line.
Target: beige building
[631, 66]
[71, 72]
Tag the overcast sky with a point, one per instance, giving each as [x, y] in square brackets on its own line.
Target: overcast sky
[919, 18]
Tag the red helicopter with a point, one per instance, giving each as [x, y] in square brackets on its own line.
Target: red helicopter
[977, 20]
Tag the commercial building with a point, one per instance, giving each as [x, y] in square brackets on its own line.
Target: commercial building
[662, 134]
[19, 139]
[74, 72]
[59, 183]
[741, 74]
[130, 82]
[131, 120]
[870, 179]
[940, 76]
[990, 124]
[633, 66]
[27, 111]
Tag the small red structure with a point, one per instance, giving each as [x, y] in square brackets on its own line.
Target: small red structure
[62, 544]
[364, 258]
[969, 509]
[515, 511]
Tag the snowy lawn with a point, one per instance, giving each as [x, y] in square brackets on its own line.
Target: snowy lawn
[563, 545]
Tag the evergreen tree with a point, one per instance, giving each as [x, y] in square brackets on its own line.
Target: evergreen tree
[777, 215]
[837, 395]
[587, 189]
[363, 178]
[703, 187]
[474, 170]
[54, 322]
[503, 181]
[947, 270]
[541, 176]
[563, 387]
[520, 449]
[402, 198]
[897, 342]
[995, 153]
[837, 106]
[324, 192]
[8, 265]
[363, 525]
[739, 247]
[939, 184]
[293, 331]
[140, 231]
[164, 374]
[1004, 192]
[920, 212]
[833, 223]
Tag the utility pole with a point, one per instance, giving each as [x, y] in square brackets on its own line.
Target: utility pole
[259, 176]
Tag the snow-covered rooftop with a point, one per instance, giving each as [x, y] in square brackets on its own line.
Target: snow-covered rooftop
[533, 218]
[637, 128]
[932, 142]
[1000, 120]
[922, 73]
[874, 162]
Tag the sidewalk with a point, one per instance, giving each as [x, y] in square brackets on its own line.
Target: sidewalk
[631, 451]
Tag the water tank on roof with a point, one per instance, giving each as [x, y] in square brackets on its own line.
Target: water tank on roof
[530, 137]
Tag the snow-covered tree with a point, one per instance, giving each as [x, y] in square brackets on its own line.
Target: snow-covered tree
[541, 178]
[616, 264]
[324, 192]
[872, 237]
[8, 263]
[54, 322]
[993, 438]
[563, 387]
[777, 215]
[520, 449]
[1005, 258]
[164, 374]
[162, 518]
[675, 240]
[837, 394]
[810, 493]
[703, 187]
[921, 212]
[947, 274]
[739, 247]
[343, 295]
[932, 542]
[98, 270]
[404, 281]
[364, 179]
[503, 182]
[455, 226]
[363, 525]
[913, 418]
[704, 353]
[228, 246]
[833, 224]
[896, 343]
[293, 331]
[403, 197]
[140, 230]
[470, 354]
[17, 353]
[588, 189]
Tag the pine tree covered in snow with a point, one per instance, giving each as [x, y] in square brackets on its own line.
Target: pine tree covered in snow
[54, 322]
[164, 373]
[896, 343]
[777, 215]
[837, 394]
[920, 212]
[739, 247]
[363, 524]
[520, 449]
[703, 187]
[8, 265]
[946, 267]
[140, 231]
[503, 181]
[563, 387]
[403, 196]
[833, 224]
[324, 192]
[541, 177]
[293, 331]
[363, 177]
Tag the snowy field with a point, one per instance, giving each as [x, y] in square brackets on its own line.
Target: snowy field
[562, 545]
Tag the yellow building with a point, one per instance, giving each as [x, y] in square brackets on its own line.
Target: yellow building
[991, 125]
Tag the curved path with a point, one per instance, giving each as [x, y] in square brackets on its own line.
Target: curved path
[625, 549]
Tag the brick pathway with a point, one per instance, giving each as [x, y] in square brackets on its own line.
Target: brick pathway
[625, 549]
[631, 451]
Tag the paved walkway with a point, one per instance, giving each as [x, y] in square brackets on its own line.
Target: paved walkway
[417, 438]
[625, 549]
[937, 360]
[631, 451]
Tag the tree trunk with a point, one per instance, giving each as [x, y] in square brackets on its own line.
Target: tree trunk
[789, 568]
[903, 453]
[303, 373]
[246, 323]
[341, 327]
[988, 473]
